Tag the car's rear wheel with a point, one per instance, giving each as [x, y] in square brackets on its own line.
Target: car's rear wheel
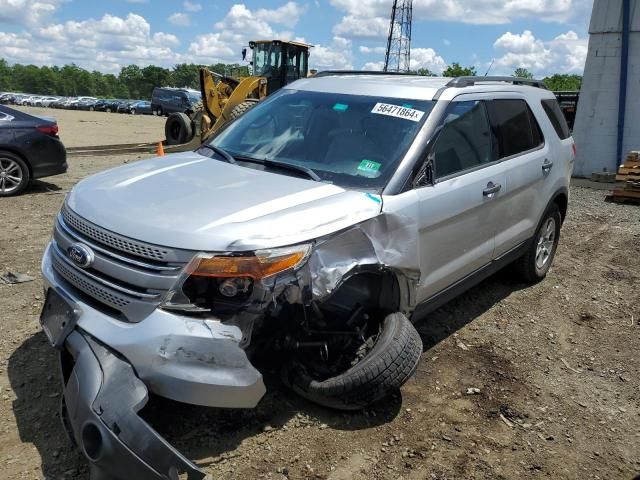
[386, 361]
[14, 174]
[108, 110]
[534, 265]
[132, 111]
[91, 109]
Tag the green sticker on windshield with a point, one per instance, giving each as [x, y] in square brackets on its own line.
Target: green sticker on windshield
[369, 168]
[340, 107]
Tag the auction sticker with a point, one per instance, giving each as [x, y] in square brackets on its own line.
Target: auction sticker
[398, 111]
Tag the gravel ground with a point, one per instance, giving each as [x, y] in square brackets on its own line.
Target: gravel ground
[553, 370]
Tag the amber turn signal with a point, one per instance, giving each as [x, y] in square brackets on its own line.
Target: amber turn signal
[261, 265]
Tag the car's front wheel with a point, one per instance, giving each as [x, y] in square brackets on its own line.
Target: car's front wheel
[536, 262]
[14, 174]
[384, 362]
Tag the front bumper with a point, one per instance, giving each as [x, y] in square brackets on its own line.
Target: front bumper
[183, 358]
[102, 397]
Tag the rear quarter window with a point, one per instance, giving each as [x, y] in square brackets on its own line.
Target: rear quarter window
[556, 117]
[515, 127]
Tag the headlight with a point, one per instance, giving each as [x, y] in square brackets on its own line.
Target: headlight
[262, 264]
[224, 282]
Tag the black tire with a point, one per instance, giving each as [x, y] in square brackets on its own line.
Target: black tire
[527, 267]
[132, 111]
[16, 167]
[108, 110]
[178, 129]
[242, 108]
[390, 363]
[91, 109]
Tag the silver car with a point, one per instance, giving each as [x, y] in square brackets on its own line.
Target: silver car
[314, 230]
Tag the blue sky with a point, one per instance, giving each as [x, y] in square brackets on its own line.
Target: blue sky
[545, 36]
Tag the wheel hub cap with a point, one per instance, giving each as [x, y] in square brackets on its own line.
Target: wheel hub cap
[10, 175]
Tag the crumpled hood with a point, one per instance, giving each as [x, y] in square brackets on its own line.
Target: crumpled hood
[189, 201]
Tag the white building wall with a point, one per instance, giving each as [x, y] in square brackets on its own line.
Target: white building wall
[596, 126]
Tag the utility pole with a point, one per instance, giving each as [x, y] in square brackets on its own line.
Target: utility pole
[398, 56]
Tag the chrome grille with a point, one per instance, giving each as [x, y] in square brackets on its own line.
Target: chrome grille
[126, 275]
[86, 286]
[111, 239]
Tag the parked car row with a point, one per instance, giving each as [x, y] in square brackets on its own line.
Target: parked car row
[78, 103]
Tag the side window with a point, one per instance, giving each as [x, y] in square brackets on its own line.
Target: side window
[515, 127]
[465, 139]
[553, 111]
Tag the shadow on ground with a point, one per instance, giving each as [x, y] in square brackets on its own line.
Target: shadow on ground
[208, 432]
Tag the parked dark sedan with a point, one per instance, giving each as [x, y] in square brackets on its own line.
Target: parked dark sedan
[142, 107]
[29, 148]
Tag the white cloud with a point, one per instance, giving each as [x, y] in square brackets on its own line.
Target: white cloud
[370, 18]
[180, 19]
[362, 27]
[106, 44]
[427, 58]
[566, 53]
[335, 56]
[373, 66]
[192, 7]
[27, 12]
[376, 50]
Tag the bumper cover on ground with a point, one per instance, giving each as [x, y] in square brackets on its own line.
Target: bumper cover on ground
[102, 398]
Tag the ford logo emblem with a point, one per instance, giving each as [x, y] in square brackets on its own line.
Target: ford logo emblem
[81, 255]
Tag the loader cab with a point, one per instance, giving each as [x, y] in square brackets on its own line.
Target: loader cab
[279, 62]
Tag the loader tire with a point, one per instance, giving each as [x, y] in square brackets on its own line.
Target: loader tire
[241, 108]
[178, 129]
[390, 363]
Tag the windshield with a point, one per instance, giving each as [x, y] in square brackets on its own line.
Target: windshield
[266, 59]
[350, 140]
[194, 97]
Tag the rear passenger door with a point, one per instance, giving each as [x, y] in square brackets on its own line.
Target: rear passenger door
[457, 214]
[526, 163]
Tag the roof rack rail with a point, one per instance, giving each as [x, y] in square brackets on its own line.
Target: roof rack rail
[470, 81]
[331, 73]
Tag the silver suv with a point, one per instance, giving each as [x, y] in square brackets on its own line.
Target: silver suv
[313, 230]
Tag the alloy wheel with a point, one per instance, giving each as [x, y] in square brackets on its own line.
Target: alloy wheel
[546, 242]
[10, 175]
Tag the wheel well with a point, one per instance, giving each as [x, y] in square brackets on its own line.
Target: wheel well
[375, 290]
[562, 201]
[22, 157]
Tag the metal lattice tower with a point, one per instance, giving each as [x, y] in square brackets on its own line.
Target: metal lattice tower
[398, 56]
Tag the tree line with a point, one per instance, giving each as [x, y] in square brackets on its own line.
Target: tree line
[138, 82]
[556, 82]
[132, 81]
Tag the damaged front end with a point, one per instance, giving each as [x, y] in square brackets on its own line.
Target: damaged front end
[320, 306]
[101, 401]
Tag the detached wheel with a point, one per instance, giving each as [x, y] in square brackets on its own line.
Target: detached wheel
[14, 174]
[384, 369]
[242, 108]
[178, 129]
[533, 266]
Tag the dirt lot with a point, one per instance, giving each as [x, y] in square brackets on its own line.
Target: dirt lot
[81, 129]
[556, 368]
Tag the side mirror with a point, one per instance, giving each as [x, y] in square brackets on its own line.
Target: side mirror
[244, 54]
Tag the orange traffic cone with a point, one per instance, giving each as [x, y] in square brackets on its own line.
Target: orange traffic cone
[160, 150]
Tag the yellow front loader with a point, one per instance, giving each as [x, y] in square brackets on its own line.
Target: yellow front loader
[275, 63]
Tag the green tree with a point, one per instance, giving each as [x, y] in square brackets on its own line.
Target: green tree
[424, 72]
[6, 77]
[455, 70]
[132, 78]
[186, 75]
[563, 82]
[522, 73]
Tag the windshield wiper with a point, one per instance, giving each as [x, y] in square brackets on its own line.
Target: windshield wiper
[223, 153]
[284, 166]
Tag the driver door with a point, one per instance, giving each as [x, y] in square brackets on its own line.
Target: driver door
[456, 215]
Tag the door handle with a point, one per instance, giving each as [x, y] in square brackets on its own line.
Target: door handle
[492, 189]
[546, 165]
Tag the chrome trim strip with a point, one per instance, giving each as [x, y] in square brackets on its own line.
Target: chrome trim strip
[106, 283]
[90, 243]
